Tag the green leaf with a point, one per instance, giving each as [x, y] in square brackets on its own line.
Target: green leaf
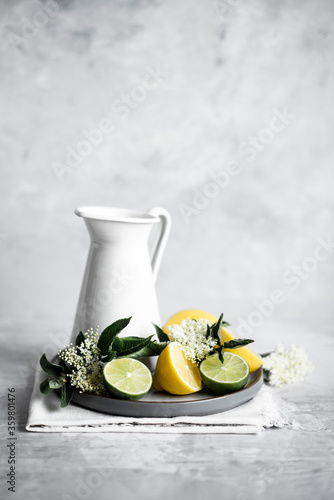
[55, 371]
[66, 394]
[235, 343]
[129, 345]
[266, 354]
[44, 387]
[109, 333]
[146, 352]
[220, 351]
[208, 331]
[67, 369]
[216, 327]
[152, 349]
[162, 336]
[131, 337]
[266, 375]
[158, 347]
[111, 355]
[80, 339]
[225, 323]
[57, 383]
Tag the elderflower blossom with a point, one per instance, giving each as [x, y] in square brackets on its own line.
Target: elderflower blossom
[85, 365]
[191, 334]
[287, 366]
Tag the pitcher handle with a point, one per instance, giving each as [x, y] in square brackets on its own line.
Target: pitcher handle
[161, 239]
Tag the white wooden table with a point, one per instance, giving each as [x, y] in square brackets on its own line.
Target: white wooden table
[278, 463]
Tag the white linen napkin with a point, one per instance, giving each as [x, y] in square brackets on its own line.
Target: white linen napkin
[45, 415]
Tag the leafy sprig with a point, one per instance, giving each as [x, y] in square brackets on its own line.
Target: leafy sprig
[110, 333]
[57, 380]
[162, 336]
[215, 332]
[110, 346]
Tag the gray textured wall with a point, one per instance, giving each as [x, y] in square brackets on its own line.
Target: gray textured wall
[245, 96]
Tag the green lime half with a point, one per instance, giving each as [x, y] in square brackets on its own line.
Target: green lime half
[127, 378]
[230, 376]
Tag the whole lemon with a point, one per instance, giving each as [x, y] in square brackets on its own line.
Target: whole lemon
[253, 359]
[177, 318]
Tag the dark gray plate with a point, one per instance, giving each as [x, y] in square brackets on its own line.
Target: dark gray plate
[158, 404]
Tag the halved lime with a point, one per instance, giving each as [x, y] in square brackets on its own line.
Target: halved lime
[221, 378]
[127, 378]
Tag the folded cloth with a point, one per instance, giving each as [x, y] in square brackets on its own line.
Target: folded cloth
[45, 415]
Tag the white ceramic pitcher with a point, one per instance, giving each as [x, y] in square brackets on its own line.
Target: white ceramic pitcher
[120, 274]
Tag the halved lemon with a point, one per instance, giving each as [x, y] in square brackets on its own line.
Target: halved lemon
[175, 373]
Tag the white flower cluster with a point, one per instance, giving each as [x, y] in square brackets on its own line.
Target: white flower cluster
[84, 362]
[191, 334]
[287, 366]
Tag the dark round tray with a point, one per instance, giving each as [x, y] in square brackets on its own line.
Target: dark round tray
[162, 404]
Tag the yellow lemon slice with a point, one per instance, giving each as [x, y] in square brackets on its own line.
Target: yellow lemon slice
[175, 373]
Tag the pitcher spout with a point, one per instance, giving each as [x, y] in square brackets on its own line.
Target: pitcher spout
[114, 214]
[116, 225]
